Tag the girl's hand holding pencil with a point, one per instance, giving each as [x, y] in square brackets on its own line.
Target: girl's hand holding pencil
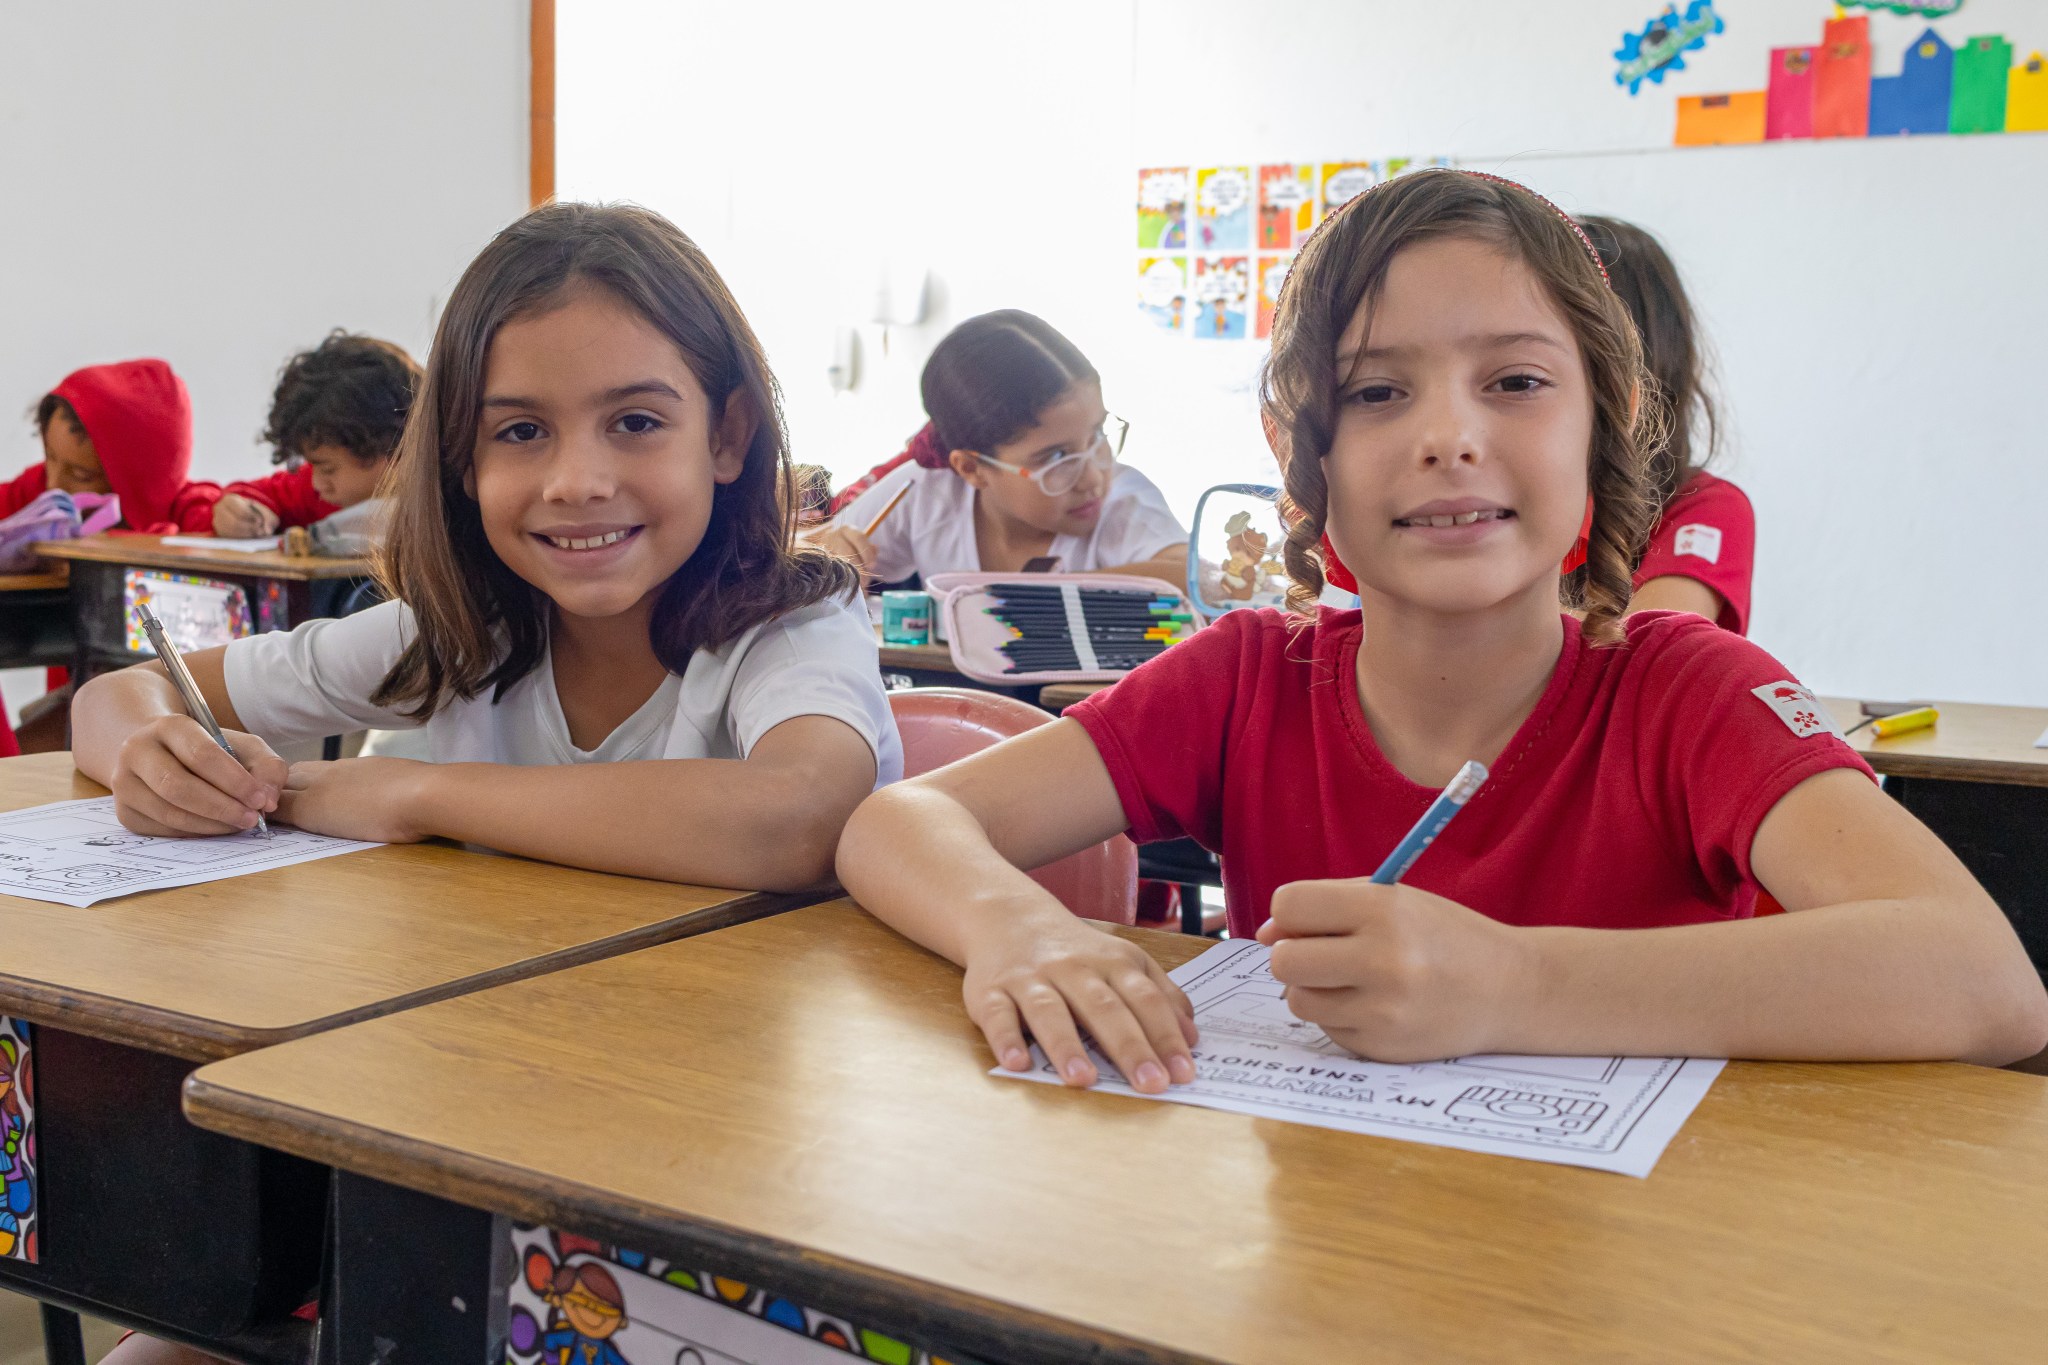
[1396, 973]
[854, 543]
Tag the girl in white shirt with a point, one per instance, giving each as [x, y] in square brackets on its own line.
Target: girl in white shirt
[1018, 462]
[620, 659]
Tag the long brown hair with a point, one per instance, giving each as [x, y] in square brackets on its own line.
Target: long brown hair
[1648, 283]
[1343, 265]
[479, 624]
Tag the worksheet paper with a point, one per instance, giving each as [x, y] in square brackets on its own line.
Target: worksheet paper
[2042, 742]
[251, 545]
[78, 853]
[1254, 1057]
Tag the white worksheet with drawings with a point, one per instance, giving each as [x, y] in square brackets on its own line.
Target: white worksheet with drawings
[1254, 1057]
[78, 853]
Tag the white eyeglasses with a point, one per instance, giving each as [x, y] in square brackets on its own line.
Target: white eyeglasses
[1062, 469]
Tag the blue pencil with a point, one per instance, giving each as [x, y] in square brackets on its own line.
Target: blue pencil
[1432, 823]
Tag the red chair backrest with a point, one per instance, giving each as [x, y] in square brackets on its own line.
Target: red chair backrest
[940, 725]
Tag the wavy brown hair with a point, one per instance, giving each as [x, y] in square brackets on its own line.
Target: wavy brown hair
[1343, 266]
[479, 624]
[1647, 281]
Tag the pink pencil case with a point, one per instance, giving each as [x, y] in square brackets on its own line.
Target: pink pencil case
[1063, 607]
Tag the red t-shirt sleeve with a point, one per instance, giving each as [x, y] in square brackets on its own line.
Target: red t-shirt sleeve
[192, 508]
[1707, 533]
[1163, 731]
[1724, 731]
[289, 493]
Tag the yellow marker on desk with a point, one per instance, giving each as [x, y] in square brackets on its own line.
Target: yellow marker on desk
[1920, 718]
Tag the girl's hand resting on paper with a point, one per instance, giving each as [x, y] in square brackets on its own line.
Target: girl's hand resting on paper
[1395, 973]
[1054, 975]
[240, 518]
[373, 799]
[171, 780]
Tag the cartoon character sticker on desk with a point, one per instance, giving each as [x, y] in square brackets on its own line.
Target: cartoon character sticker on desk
[576, 1301]
[19, 1232]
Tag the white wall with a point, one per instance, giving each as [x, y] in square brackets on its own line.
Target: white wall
[220, 184]
[1875, 304]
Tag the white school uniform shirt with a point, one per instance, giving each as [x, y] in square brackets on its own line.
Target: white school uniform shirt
[819, 660]
[932, 530]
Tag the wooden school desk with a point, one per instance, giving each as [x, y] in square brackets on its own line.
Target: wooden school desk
[280, 588]
[151, 1222]
[35, 619]
[815, 1117]
[1977, 780]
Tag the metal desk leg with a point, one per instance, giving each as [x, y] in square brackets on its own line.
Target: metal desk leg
[63, 1340]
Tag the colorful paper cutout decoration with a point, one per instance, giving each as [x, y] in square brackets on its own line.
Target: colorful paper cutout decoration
[1976, 102]
[1223, 208]
[586, 1303]
[1222, 284]
[1788, 104]
[1344, 181]
[1916, 100]
[1663, 43]
[2026, 96]
[1717, 120]
[20, 1222]
[1272, 273]
[1287, 204]
[1841, 79]
[1163, 291]
[1163, 207]
[1933, 9]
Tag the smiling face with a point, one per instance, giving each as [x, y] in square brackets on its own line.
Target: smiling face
[70, 463]
[1072, 423]
[597, 455]
[1457, 474]
[343, 479]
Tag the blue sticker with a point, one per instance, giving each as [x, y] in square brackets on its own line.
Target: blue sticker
[1661, 46]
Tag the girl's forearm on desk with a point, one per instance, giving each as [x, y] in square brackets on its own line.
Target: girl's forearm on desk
[714, 822]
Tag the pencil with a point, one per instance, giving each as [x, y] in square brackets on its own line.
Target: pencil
[1432, 823]
[876, 524]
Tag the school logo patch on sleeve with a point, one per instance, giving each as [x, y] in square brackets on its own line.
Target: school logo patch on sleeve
[1801, 711]
[1699, 540]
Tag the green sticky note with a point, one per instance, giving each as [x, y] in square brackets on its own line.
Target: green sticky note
[1976, 102]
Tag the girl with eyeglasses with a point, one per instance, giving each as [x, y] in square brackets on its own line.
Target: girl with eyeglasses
[1018, 462]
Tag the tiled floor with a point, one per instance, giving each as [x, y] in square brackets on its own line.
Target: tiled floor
[21, 1333]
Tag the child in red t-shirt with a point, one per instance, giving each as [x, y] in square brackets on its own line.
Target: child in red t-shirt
[338, 411]
[1454, 396]
[1702, 551]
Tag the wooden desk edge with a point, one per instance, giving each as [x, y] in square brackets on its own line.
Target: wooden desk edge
[207, 1040]
[932, 1313]
[149, 552]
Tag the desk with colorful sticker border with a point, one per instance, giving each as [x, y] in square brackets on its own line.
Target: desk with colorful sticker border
[1976, 779]
[802, 1102]
[156, 1224]
[280, 588]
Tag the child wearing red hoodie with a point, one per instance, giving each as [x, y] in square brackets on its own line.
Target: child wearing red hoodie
[124, 428]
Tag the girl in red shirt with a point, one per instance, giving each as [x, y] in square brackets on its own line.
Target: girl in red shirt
[1455, 398]
[1702, 550]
